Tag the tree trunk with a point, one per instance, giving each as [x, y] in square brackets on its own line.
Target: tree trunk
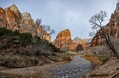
[109, 43]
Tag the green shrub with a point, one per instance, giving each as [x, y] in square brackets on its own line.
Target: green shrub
[23, 50]
[16, 32]
[4, 31]
[25, 37]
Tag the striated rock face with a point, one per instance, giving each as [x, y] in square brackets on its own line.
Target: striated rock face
[83, 42]
[11, 18]
[16, 11]
[64, 41]
[45, 36]
[3, 21]
[112, 28]
[26, 17]
[74, 46]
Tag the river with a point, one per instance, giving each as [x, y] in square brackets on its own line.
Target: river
[74, 69]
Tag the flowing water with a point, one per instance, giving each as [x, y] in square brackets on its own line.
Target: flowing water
[74, 69]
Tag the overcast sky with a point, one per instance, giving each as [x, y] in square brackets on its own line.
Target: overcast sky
[64, 14]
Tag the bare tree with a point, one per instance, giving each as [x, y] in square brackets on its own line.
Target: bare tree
[52, 31]
[97, 21]
[48, 29]
[38, 22]
[92, 33]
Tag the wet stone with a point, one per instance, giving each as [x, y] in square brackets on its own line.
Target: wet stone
[74, 69]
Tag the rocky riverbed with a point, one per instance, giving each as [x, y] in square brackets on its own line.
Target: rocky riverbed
[74, 69]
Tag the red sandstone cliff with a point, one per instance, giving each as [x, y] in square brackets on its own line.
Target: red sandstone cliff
[11, 18]
[83, 42]
[64, 41]
[112, 29]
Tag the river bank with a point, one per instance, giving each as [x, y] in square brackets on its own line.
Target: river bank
[104, 66]
[79, 67]
[74, 69]
[28, 72]
[109, 70]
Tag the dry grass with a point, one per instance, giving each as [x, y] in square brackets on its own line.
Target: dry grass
[16, 61]
[96, 59]
[66, 57]
[92, 59]
[107, 70]
[63, 57]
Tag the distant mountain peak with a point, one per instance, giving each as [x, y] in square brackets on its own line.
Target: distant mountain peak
[13, 7]
[77, 39]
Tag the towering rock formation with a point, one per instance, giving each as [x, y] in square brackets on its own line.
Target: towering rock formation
[16, 11]
[3, 21]
[11, 18]
[13, 21]
[112, 28]
[64, 41]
